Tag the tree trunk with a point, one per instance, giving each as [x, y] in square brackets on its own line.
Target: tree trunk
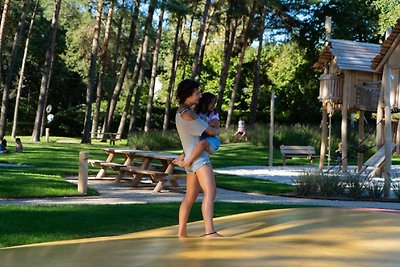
[245, 42]
[21, 74]
[256, 87]
[11, 64]
[235, 87]
[115, 68]
[103, 58]
[92, 76]
[3, 25]
[46, 73]
[143, 63]
[135, 78]
[124, 69]
[204, 43]
[154, 69]
[200, 40]
[188, 46]
[230, 33]
[171, 84]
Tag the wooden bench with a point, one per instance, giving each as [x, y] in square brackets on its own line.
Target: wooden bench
[156, 176]
[104, 165]
[289, 152]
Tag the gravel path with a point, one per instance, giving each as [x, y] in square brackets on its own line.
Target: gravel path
[122, 193]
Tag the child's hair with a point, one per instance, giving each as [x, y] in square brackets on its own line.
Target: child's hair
[18, 140]
[204, 102]
[186, 89]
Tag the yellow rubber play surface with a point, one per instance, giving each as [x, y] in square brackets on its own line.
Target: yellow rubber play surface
[290, 237]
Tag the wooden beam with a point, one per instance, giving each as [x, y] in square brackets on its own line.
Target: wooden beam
[388, 53]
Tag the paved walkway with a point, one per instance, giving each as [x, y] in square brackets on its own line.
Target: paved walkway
[111, 193]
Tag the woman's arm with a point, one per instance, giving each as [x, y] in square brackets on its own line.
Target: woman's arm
[212, 130]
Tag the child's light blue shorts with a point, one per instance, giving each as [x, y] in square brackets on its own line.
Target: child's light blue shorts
[214, 143]
[199, 162]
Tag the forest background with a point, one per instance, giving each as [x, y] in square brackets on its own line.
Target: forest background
[82, 66]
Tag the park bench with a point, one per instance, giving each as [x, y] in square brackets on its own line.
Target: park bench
[289, 152]
[108, 136]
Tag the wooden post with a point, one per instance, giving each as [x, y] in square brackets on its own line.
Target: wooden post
[379, 121]
[344, 123]
[83, 172]
[388, 130]
[398, 138]
[271, 130]
[360, 138]
[324, 131]
[47, 134]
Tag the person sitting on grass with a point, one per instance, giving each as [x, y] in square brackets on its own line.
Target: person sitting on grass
[18, 145]
[3, 146]
[206, 112]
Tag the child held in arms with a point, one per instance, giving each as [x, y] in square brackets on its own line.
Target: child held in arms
[205, 110]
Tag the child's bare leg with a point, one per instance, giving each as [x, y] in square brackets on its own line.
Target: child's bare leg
[201, 146]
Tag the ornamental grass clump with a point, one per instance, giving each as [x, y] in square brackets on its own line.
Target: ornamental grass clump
[307, 184]
[331, 185]
[375, 189]
[319, 184]
[355, 186]
[396, 189]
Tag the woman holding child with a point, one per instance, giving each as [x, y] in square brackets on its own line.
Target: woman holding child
[200, 173]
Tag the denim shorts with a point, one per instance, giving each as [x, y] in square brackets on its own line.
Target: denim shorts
[201, 160]
[214, 143]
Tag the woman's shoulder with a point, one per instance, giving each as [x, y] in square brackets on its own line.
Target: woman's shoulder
[189, 115]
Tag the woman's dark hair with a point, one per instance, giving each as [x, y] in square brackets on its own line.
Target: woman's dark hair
[205, 100]
[186, 89]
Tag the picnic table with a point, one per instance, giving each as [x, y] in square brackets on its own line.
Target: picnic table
[161, 173]
[109, 162]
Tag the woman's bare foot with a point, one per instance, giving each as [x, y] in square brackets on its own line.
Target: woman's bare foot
[212, 235]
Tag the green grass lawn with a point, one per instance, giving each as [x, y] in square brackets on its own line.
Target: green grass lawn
[21, 225]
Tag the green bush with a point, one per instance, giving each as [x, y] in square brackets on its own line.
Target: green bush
[355, 186]
[227, 136]
[296, 134]
[307, 184]
[155, 140]
[331, 185]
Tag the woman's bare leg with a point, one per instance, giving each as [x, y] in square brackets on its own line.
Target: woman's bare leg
[192, 191]
[206, 179]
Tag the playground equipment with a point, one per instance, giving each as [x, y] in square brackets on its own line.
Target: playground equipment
[358, 78]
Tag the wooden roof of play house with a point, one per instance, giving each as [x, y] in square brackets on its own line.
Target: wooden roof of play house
[350, 55]
[389, 44]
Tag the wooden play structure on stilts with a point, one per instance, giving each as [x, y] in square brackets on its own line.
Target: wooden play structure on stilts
[388, 62]
[358, 78]
[348, 85]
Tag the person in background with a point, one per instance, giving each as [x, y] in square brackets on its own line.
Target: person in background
[3, 146]
[339, 154]
[241, 129]
[18, 145]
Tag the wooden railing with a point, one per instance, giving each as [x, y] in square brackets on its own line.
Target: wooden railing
[368, 96]
[331, 87]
